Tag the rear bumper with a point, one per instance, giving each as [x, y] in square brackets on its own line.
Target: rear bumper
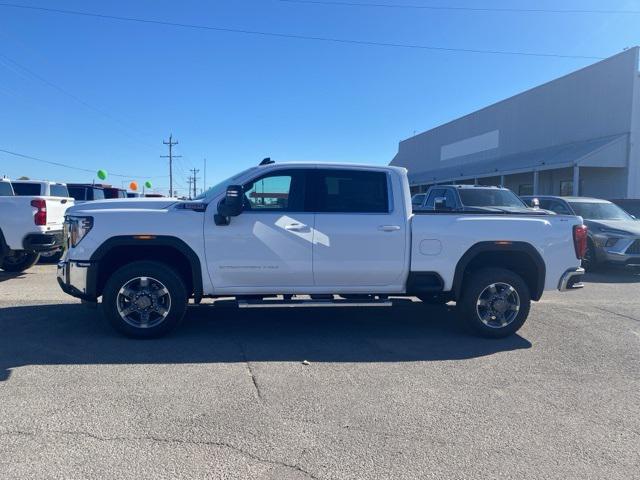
[571, 279]
[73, 279]
[43, 242]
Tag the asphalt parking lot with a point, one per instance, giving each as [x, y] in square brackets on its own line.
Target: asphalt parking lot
[388, 393]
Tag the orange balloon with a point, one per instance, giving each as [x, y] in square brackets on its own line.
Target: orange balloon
[133, 186]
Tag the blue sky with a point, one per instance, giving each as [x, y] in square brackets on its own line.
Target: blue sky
[106, 93]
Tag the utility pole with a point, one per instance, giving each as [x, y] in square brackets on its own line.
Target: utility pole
[194, 178]
[171, 156]
[189, 179]
[204, 180]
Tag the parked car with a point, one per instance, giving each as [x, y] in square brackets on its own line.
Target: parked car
[629, 205]
[614, 235]
[324, 230]
[47, 189]
[86, 192]
[30, 225]
[470, 198]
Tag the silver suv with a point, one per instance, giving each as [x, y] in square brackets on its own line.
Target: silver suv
[614, 235]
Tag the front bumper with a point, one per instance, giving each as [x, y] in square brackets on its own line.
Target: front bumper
[73, 278]
[43, 242]
[571, 279]
[626, 252]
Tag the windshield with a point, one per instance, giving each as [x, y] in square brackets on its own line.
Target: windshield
[599, 211]
[484, 197]
[222, 186]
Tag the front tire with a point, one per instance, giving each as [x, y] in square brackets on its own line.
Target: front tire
[144, 299]
[17, 261]
[495, 302]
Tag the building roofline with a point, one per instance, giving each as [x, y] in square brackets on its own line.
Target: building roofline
[635, 49]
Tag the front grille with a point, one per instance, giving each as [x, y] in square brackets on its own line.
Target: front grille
[634, 248]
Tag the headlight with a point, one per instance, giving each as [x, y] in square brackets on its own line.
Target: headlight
[77, 228]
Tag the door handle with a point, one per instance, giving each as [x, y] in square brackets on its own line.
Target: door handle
[389, 228]
[295, 227]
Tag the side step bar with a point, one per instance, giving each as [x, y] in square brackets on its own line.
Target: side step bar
[312, 303]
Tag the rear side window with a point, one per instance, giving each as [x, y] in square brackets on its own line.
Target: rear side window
[417, 200]
[59, 190]
[98, 194]
[351, 191]
[5, 189]
[26, 189]
[79, 193]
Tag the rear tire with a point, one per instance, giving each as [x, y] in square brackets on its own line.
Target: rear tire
[19, 260]
[590, 262]
[495, 302]
[144, 299]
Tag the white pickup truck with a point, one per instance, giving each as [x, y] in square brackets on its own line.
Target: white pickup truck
[344, 235]
[31, 221]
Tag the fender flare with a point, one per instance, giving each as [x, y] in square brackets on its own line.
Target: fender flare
[133, 240]
[495, 246]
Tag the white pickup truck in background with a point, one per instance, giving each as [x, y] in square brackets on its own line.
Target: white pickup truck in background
[345, 235]
[31, 221]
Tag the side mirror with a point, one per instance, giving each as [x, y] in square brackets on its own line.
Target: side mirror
[231, 205]
[535, 203]
[440, 203]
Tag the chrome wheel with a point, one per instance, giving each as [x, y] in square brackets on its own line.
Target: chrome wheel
[498, 305]
[143, 302]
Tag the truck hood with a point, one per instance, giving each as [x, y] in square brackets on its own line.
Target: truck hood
[123, 204]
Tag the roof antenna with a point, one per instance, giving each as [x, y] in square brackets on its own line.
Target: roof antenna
[267, 161]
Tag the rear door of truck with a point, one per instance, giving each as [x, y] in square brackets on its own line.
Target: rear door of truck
[361, 230]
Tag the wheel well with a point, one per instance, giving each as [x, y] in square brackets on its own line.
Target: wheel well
[531, 268]
[122, 255]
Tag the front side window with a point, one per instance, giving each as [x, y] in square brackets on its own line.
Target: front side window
[279, 191]
[559, 208]
[98, 194]
[351, 191]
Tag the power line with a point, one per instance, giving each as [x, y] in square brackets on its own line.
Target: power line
[64, 165]
[299, 37]
[464, 9]
[70, 95]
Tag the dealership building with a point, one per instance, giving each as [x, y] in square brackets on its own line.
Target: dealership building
[576, 135]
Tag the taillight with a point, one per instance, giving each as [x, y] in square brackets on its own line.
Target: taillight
[580, 240]
[40, 216]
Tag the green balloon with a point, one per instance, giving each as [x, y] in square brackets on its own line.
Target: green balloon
[102, 174]
[148, 184]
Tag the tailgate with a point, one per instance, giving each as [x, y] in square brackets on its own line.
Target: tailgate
[56, 208]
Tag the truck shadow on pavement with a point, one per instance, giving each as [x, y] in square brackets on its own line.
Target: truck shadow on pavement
[613, 275]
[67, 334]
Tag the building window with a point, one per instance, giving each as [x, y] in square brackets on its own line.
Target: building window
[525, 189]
[566, 188]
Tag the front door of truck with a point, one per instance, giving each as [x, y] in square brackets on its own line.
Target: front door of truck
[360, 235]
[269, 245]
